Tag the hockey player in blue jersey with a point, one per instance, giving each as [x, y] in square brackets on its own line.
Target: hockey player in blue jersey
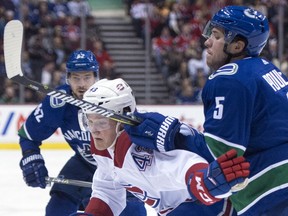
[82, 72]
[169, 182]
[245, 106]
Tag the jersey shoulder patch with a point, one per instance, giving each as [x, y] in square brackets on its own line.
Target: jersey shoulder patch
[55, 102]
[226, 70]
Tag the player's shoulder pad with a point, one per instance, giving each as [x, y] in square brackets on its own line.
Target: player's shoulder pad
[226, 70]
[56, 103]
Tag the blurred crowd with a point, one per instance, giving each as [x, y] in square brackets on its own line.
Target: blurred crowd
[52, 30]
[178, 46]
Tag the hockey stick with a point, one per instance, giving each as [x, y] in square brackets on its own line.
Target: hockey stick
[50, 180]
[13, 37]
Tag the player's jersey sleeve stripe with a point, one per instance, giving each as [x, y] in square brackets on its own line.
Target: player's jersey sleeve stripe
[242, 201]
[23, 132]
[218, 145]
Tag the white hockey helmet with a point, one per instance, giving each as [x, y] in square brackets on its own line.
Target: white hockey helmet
[114, 95]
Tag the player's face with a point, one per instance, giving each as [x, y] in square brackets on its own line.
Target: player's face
[80, 82]
[215, 45]
[103, 130]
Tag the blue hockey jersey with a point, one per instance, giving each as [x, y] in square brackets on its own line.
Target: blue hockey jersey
[246, 108]
[50, 115]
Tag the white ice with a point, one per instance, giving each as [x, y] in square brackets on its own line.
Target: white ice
[17, 199]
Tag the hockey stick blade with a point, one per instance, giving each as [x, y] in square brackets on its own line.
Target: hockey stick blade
[13, 36]
[50, 180]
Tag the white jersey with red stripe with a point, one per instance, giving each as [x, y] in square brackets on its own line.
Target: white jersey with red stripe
[158, 179]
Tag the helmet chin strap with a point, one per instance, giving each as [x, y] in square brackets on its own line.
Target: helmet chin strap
[230, 55]
[67, 78]
[118, 132]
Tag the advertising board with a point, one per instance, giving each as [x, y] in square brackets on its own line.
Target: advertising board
[13, 116]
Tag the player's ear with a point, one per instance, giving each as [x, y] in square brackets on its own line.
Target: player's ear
[240, 45]
[237, 46]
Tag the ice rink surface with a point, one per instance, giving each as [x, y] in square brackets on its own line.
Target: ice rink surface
[17, 199]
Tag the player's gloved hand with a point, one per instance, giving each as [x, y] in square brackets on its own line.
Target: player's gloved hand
[215, 182]
[156, 131]
[33, 169]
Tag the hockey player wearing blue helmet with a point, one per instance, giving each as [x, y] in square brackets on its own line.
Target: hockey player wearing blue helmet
[246, 108]
[82, 72]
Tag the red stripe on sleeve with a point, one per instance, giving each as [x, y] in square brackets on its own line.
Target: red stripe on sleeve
[97, 207]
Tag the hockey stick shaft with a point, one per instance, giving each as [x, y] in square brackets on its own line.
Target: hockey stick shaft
[79, 183]
[74, 101]
[13, 37]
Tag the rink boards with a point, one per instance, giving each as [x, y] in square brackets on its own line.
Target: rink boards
[13, 116]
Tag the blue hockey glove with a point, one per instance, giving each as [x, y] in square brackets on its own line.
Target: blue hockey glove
[156, 131]
[33, 169]
[217, 180]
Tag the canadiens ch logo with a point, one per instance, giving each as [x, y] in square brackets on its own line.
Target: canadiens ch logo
[228, 70]
[120, 87]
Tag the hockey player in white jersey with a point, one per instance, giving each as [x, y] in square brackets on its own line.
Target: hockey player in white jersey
[173, 183]
[82, 72]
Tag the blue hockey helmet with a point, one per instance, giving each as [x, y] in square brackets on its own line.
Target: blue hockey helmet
[82, 60]
[244, 22]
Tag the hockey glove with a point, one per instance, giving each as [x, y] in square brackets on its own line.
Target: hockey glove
[215, 182]
[33, 169]
[154, 132]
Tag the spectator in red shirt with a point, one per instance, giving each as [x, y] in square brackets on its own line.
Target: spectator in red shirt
[183, 40]
[106, 64]
[161, 45]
